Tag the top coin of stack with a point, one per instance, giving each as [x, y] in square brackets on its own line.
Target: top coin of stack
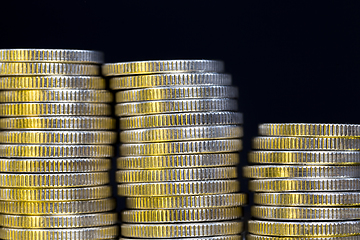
[55, 146]
[307, 181]
[179, 149]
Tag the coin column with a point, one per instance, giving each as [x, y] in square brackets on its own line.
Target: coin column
[179, 149]
[55, 146]
[306, 182]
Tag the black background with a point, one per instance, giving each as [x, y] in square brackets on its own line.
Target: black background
[293, 61]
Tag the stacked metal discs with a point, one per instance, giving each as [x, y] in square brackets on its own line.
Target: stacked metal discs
[180, 142]
[307, 182]
[55, 146]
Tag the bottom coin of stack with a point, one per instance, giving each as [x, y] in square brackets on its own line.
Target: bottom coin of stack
[307, 182]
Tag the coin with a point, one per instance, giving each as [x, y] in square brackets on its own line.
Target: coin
[166, 93]
[58, 221]
[58, 137]
[184, 202]
[42, 180]
[305, 184]
[50, 109]
[169, 106]
[305, 157]
[168, 80]
[181, 215]
[310, 129]
[178, 161]
[46, 208]
[51, 82]
[169, 175]
[310, 229]
[306, 143]
[106, 232]
[55, 194]
[305, 213]
[180, 133]
[181, 230]
[309, 199]
[48, 123]
[77, 96]
[178, 188]
[57, 151]
[55, 165]
[225, 237]
[31, 69]
[161, 66]
[51, 55]
[261, 237]
[181, 120]
[190, 147]
[278, 171]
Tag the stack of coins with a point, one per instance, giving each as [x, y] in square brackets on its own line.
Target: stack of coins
[307, 182]
[180, 138]
[55, 146]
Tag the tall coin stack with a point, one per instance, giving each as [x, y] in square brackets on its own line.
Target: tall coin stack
[307, 183]
[55, 146]
[180, 142]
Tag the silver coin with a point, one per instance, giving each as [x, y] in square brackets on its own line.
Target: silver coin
[305, 213]
[51, 55]
[161, 66]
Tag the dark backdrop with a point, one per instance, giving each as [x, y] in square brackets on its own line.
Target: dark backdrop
[293, 61]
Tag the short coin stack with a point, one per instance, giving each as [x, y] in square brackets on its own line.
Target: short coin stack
[55, 146]
[307, 183]
[179, 149]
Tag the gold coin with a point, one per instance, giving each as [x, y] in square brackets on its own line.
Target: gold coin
[52, 82]
[106, 232]
[306, 229]
[305, 184]
[181, 229]
[190, 147]
[184, 202]
[50, 109]
[306, 143]
[305, 157]
[261, 237]
[310, 129]
[58, 221]
[51, 55]
[32, 68]
[55, 165]
[77, 96]
[178, 188]
[52, 180]
[161, 66]
[57, 151]
[181, 134]
[278, 171]
[178, 161]
[176, 92]
[181, 215]
[181, 120]
[170, 79]
[58, 137]
[305, 213]
[308, 199]
[169, 175]
[48, 123]
[46, 208]
[173, 106]
[55, 194]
